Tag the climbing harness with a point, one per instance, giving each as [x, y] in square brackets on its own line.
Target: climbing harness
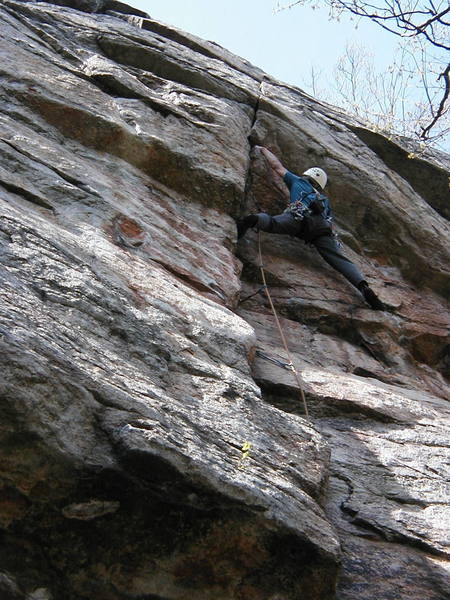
[290, 364]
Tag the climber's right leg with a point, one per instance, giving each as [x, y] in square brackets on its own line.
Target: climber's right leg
[330, 251]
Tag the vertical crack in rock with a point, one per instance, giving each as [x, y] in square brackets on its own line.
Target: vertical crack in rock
[248, 181]
[258, 101]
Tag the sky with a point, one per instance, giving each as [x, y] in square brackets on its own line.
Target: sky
[284, 44]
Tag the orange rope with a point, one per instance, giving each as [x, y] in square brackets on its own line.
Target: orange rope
[288, 354]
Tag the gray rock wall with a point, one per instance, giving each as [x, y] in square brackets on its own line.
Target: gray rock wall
[148, 449]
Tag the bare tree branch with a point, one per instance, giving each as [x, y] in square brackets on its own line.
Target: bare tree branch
[441, 109]
[399, 13]
[426, 20]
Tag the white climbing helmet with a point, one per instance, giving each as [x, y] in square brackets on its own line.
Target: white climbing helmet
[318, 175]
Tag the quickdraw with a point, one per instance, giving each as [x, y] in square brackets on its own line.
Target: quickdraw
[261, 289]
[280, 363]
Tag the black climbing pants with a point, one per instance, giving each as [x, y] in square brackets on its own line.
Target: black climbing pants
[327, 246]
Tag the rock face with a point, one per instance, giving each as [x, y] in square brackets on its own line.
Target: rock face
[148, 447]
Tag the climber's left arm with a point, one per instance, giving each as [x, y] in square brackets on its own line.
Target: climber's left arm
[273, 161]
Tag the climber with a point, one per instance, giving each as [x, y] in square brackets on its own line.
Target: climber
[309, 217]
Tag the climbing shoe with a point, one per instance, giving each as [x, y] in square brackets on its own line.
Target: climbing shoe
[370, 297]
[246, 223]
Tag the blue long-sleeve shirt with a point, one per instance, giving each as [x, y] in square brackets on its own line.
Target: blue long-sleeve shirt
[301, 189]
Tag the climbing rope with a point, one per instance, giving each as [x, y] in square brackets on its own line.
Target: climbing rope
[290, 364]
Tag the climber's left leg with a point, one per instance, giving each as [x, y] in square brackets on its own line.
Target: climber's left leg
[284, 223]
